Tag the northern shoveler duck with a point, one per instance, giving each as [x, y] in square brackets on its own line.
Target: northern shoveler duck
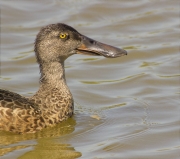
[53, 102]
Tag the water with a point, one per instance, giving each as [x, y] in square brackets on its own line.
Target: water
[126, 107]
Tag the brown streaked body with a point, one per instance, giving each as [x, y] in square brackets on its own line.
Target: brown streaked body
[53, 102]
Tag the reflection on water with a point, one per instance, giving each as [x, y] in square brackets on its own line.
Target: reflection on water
[46, 149]
[147, 64]
[43, 144]
[109, 81]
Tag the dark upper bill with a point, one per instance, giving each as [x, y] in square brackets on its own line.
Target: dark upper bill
[92, 47]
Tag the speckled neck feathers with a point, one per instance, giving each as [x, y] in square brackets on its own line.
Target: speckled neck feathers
[52, 73]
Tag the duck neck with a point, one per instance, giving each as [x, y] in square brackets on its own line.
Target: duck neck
[52, 74]
[54, 97]
[53, 78]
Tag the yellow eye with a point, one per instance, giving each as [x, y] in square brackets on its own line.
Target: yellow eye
[62, 35]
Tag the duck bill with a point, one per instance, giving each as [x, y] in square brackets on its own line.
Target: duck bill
[92, 47]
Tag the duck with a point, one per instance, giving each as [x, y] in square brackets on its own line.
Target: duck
[53, 101]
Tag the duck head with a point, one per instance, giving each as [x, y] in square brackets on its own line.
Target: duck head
[56, 42]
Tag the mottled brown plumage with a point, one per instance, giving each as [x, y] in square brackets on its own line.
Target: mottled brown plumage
[53, 102]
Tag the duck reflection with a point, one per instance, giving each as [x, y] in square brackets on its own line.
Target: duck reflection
[46, 144]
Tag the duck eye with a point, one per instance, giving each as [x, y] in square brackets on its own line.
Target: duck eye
[63, 36]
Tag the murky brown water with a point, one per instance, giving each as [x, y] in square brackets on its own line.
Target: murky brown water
[127, 107]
